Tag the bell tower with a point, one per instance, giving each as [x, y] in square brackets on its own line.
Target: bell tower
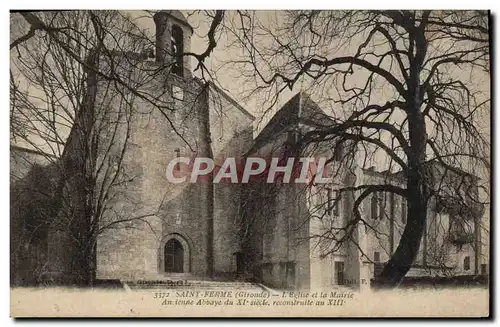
[173, 39]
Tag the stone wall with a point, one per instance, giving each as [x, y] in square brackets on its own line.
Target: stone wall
[231, 135]
[136, 251]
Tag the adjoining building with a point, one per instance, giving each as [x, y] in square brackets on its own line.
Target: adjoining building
[299, 236]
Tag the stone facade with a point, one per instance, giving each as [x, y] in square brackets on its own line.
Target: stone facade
[201, 216]
[289, 239]
[438, 255]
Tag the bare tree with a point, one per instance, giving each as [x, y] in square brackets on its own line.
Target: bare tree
[54, 93]
[405, 88]
[75, 81]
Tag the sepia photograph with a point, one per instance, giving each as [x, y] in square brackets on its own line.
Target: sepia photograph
[250, 163]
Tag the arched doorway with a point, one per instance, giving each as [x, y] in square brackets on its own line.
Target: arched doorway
[174, 256]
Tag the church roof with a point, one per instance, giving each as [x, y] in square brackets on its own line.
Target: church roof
[299, 109]
[228, 98]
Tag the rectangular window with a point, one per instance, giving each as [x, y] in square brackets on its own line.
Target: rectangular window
[339, 272]
[290, 273]
[374, 206]
[467, 263]
[376, 257]
[336, 203]
[338, 153]
[381, 205]
[333, 204]
[403, 210]
[329, 193]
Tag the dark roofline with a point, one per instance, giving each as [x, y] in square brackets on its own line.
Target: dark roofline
[265, 134]
[304, 101]
[232, 101]
[27, 150]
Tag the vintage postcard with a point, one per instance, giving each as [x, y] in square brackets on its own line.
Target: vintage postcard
[288, 163]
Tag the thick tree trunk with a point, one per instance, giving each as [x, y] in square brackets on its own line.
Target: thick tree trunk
[409, 245]
[417, 190]
[417, 199]
[83, 271]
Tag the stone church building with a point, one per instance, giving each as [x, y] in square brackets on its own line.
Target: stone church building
[258, 231]
[194, 229]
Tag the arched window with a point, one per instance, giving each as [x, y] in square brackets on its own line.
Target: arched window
[467, 263]
[177, 43]
[174, 256]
